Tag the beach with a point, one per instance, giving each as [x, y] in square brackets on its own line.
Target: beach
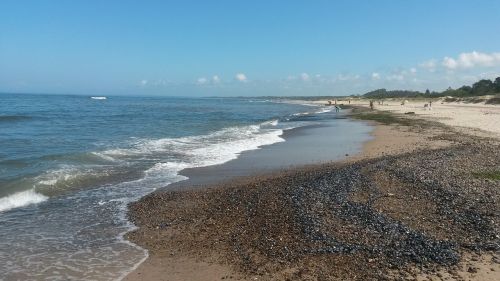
[472, 116]
[265, 140]
[419, 202]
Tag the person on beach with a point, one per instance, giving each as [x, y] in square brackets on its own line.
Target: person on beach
[371, 105]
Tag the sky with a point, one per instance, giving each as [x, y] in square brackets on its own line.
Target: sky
[241, 48]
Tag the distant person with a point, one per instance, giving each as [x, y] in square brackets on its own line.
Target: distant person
[337, 108]
[349, 101]
[371, 105]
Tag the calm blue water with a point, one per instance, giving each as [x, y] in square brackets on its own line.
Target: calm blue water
[70, 164]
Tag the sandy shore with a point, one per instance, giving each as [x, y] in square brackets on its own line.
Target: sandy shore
[476, 118]
[415, 204]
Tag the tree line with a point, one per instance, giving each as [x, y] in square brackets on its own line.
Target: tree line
[480, 88]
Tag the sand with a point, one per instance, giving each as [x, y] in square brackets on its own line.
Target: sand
[477, 118]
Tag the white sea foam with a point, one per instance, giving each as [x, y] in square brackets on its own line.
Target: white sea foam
[324, 110]
[198, 153]
[19, 199]
[272, 123]
[185, 152]
[252, 135]
[301, 113]
[62, 176]
[104, 156]
[300, 102]
[319, 111]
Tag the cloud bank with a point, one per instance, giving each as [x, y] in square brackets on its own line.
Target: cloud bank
[471, 60]
[435, 74]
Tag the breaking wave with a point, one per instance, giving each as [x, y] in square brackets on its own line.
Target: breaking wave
[19, 199]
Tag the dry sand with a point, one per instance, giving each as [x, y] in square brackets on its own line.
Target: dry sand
[483, 119]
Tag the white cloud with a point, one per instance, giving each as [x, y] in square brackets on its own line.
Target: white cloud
[375, 76]
[159, 82]
[450, 63]
[396, 77]
[144, 82]
[413, 70]
[472, 59]
[342, 77]
[464, 61]
[304, 76]
[202, 80]
[241, 77]
[430, 65]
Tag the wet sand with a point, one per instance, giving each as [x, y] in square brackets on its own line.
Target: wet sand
[326, 141]
[408, 206]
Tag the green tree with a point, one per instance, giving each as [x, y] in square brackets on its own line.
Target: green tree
[497, 85]
[483, 87]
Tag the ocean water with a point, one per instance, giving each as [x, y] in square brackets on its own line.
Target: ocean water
[70, 164]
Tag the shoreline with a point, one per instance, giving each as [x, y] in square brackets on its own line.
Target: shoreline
[191, 259]
[318, 143]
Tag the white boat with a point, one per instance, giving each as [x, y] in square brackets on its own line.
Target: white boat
[98, 98]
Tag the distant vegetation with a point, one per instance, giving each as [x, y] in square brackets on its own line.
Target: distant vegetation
[480, 88]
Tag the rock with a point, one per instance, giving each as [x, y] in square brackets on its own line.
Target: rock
[471, 269]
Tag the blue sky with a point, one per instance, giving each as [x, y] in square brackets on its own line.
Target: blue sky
[245, 47]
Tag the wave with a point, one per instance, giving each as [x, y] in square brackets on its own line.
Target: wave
[319, 111]
[269, 124]
[154, 161]
[72, 178]
[324, 110]
[20, 199]
[202, 151]
[180, 147]
[63, 177]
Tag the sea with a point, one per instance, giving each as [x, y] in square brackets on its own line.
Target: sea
[69, 165]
